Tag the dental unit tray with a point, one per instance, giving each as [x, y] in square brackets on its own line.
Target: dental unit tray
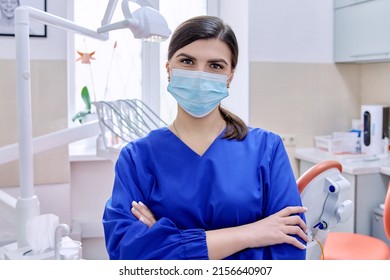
[122, 121]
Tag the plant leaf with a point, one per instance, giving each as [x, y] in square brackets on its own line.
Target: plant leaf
[80, 116]
[86, 98]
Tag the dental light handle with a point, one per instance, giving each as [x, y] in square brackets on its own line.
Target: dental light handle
[118, 25]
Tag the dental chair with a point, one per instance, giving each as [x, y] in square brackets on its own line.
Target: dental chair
[355, 246]
[324, 192]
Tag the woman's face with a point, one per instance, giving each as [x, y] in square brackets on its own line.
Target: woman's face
[207, 55]
[8, 7]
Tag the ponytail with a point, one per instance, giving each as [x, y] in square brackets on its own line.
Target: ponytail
[235, 127]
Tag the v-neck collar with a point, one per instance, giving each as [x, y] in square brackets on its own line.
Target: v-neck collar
[188, 148]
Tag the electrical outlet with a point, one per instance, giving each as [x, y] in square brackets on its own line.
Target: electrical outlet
[289, 140]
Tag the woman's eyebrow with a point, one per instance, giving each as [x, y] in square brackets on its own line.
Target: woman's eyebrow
[214, 60]
[219, 60]
[186, 55]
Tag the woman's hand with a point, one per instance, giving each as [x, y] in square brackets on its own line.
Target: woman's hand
[275, 229]
[279, 228]
[142, 213]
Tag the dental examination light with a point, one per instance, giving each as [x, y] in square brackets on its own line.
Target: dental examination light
[145, 23]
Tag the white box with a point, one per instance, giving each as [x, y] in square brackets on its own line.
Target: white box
[338, 143]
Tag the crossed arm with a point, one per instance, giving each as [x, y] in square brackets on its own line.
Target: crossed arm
[275, 229]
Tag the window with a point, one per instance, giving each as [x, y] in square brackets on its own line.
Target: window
[115, 71]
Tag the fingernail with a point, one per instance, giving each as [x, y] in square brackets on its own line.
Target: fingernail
[142, 220]
[133, 210]
[134, 203]
[140, 203]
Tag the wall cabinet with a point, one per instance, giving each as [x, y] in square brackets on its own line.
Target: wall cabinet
[361, 30]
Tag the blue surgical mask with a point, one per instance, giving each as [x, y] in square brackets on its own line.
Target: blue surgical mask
[197, 92]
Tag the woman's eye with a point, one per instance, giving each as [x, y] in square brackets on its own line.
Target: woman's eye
[187, 61]
[216, 66]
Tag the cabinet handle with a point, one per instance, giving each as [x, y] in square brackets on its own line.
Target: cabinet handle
[370, 54]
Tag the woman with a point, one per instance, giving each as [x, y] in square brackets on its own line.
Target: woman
[206, 186]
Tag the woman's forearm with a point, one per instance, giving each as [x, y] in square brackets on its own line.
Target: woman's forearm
[278, 228]
[222, 243]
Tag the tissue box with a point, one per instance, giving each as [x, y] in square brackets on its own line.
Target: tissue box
[338, 143]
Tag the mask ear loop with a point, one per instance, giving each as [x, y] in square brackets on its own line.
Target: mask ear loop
[169, 70]
[227, 80]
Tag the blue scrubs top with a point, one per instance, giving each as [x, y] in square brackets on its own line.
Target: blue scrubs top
[231, 184]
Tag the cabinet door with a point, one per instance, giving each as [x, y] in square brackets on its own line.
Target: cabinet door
[371, 192]
[361, 32]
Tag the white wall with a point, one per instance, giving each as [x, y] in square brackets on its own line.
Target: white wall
[51, 47]
[291, 31]
[237, 17]
[278, 31]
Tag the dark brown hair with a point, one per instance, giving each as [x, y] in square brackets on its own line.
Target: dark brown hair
[210, 27]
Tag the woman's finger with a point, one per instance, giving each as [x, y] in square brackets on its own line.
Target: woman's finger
[295, 242]
[291, 210]
[142, 213]
[295, 230]
[145, 211]
[141, 217]
[295, 220]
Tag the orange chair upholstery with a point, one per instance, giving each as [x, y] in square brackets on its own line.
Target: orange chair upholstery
[314, 171]
[354, 246]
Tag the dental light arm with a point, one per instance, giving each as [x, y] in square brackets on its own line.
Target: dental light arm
[111, 6]
[145, 23]
[27, 205]
[109, 12]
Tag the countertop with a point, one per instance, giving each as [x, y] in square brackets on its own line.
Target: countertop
[85, 150]
[355, 164]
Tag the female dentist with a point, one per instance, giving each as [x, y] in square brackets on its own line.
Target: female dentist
[207, 186]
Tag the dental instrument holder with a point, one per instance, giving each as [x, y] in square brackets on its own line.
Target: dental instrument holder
[122, 121]
[61, 230]
[336, 209]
